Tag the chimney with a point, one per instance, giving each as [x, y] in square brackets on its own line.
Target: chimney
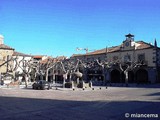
[1, 39]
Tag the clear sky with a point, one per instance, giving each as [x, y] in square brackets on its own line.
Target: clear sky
[57, 27]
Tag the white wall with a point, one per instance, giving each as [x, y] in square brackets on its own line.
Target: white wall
[21, 64]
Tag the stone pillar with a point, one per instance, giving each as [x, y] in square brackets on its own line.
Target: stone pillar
[47, 75]
[64, 80]
[77, 80]
[83, 84]
[70, 77]
[85, 75]
[1, 82]
[126, 77]
[53, 78]
[72, 83]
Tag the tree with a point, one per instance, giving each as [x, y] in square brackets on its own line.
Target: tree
[25, 66]
[10, 68]
[125, 71]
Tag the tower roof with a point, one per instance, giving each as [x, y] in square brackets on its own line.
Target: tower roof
[129, 35]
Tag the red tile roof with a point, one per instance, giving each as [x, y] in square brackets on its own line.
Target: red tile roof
[47, 60]
[143, 45]
[3, 46]
[37, 56]
[20, 54]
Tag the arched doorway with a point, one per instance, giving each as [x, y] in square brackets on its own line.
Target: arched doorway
[122, 77]
[115, 76]
[131, 77]
[50, 79]
[59, 78]
[142, 76]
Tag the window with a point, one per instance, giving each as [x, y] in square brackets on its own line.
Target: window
[141, 57]
[99, 59]
[127, 58]
[115, 58]
[88, 59]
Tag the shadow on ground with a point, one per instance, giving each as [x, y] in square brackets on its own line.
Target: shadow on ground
[14, 108]
[154, 94]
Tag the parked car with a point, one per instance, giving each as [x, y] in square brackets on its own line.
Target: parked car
[41, 85]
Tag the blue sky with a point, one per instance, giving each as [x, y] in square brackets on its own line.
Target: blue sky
[57, 27]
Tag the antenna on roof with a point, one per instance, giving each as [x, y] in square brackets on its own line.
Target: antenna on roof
[79, 49]
[85, 49]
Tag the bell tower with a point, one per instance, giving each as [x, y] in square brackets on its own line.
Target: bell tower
[129, 43]
[1, 39]
[129, 37]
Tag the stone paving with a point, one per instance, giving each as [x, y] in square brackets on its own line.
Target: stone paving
[65, 104]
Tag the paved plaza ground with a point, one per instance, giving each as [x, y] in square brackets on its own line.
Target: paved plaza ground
[113, 103]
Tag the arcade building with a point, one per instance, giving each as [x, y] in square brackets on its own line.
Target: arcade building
[143, 57]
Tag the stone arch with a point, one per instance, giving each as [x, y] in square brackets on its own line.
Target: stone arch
[131, 77]
[142, 76]
[115, 76]
[59, 78]
[122, 77]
